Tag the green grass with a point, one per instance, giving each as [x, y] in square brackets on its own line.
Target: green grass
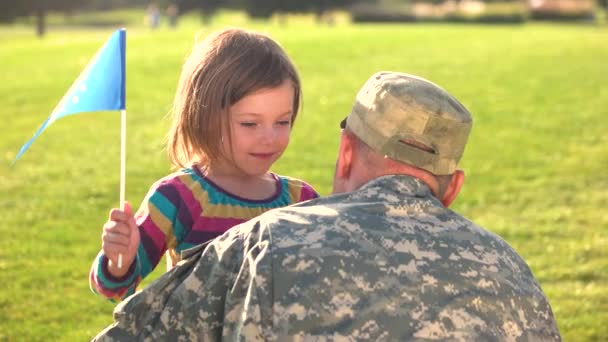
[535, 163]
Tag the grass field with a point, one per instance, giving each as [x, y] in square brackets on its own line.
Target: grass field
[535, 164]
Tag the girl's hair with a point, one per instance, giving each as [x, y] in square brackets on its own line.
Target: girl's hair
[225, 67]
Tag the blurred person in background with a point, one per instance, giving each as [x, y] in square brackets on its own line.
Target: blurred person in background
[172, 14]
[153, 15]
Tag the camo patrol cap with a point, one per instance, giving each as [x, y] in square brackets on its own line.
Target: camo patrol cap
[411, 120]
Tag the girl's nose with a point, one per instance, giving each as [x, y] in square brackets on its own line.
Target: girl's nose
[269, 134]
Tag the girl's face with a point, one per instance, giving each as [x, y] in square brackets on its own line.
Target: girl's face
[260, 124]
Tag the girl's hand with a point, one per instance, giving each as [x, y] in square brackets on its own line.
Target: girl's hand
[120, 236]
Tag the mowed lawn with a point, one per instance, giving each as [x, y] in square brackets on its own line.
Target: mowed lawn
[535, 165]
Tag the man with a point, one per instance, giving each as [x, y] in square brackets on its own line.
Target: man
[381, 259]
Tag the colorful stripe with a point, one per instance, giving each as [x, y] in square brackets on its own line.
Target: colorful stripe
[103, 283]
[163, 222]
[183, 210]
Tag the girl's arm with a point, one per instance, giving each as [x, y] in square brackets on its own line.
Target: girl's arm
[155, 220]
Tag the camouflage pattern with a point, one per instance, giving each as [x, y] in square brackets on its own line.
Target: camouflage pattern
[386, 262]
[394, 107]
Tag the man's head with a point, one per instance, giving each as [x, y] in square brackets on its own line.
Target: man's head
[403, 124]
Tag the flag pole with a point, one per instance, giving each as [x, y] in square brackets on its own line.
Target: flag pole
[123, 152]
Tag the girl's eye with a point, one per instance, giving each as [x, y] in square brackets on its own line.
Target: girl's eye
[248, 124]
[284, 122]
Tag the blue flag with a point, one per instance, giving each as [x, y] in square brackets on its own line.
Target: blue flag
[100, 86]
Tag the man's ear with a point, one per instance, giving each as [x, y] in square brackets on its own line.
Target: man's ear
[345, 155]
[453, 188]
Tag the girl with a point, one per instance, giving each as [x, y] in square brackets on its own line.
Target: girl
[237, 99]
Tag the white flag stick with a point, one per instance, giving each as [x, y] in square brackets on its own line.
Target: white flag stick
[123, 158]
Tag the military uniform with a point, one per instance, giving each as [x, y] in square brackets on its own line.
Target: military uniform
[386, 262]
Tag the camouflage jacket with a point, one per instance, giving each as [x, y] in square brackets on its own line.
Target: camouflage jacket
[385, 262]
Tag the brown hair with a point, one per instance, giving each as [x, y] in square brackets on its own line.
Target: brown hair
[222, 69]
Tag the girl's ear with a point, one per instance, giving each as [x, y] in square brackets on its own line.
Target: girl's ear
[453, 188]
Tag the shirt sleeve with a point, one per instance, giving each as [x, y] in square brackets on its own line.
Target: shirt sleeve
[156, 220]
[105, 284]
[308, 192]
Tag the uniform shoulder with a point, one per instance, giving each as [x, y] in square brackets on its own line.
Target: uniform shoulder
[494, 245]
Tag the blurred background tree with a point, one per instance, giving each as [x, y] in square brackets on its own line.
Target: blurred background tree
[207, 8]
[490, 11]
[11, 10]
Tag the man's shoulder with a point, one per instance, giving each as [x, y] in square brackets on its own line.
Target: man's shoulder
[322, 207]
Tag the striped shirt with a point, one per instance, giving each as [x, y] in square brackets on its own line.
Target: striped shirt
[181, 211]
